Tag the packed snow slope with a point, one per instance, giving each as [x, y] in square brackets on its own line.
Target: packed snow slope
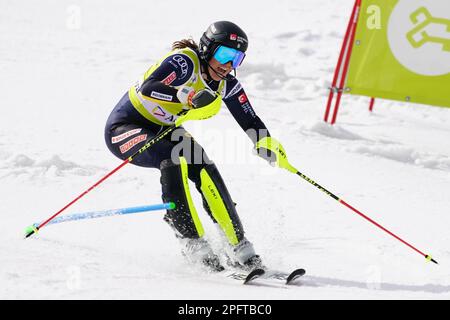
[65, 64]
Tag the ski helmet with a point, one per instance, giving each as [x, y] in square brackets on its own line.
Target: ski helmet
[222, 33]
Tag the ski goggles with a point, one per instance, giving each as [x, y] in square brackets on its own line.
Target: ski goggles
[226, 54]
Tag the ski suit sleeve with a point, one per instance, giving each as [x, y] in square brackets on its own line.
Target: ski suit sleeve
[237, 102]
[175, 70]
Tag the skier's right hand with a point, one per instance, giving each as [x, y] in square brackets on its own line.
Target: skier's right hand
[185, 95]
[189, 97]
[204, 104]
[203, 98]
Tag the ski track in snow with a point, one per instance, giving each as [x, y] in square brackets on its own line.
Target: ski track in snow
[21, 164]
[317, 282]
[394, 162]
[380, 148]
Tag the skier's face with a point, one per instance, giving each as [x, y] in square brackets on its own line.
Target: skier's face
[218, 70]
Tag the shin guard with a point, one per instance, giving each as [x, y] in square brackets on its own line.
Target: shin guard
[221, 205]
[184, 218]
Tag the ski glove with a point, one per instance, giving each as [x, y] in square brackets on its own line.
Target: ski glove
[205, 104]
[203, 98]
[189, 97]
[271, 150]
[265, 154]
[185, 95]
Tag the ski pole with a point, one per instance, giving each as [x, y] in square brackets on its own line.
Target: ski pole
[282, 162]
[428, 257]
[107, 213]
[208, 104]
[34, 229]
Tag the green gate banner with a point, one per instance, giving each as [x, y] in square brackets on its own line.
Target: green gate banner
[402, 51]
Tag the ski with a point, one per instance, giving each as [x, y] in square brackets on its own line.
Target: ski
[287, 278]
[266, 274]
[254, 274]
[294, 275]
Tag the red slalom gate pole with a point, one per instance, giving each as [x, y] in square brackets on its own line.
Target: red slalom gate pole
[347, 61]
[34, 229]
[372, 102]
[339, 63]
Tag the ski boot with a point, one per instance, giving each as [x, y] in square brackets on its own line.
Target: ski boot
[198, 251]
[245, 257]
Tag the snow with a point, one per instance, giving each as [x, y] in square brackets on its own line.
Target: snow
[64, 66]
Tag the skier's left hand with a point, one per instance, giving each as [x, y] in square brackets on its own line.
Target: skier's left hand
[266, 154]
[271, 150]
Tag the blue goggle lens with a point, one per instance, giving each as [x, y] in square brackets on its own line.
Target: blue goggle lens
[225, 54]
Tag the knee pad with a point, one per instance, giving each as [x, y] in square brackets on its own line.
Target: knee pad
[174, 181]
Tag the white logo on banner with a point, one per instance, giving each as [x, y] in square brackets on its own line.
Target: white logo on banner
[419, 36]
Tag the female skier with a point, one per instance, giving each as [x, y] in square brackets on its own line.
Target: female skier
[189, 78]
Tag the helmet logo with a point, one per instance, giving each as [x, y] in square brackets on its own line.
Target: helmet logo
[233, 36]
